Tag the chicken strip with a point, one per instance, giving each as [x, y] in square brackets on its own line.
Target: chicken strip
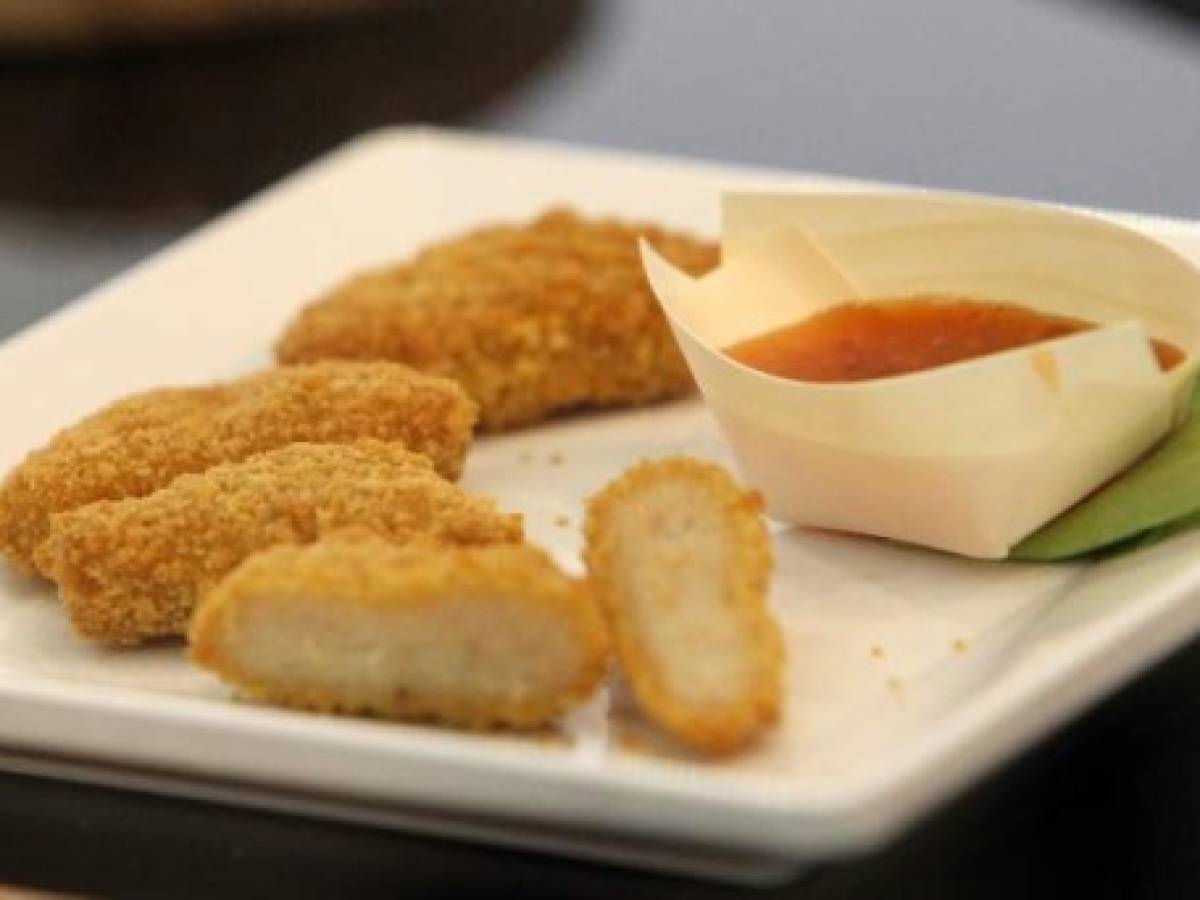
[530, 319]
[473, 636]
[134, 569]
[142, 443]
[680, 560]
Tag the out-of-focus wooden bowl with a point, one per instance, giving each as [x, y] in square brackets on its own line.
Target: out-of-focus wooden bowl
[46, 24]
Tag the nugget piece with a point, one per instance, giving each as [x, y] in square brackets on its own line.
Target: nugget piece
[472, 636]
[161, 406]
[134, 569]
[680, 559]
[529, 319]
[142, 443]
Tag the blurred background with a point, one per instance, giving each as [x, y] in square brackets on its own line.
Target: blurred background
[125, 123]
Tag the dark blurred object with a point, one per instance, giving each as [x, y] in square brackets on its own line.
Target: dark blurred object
[193, 126]
[1189, 8]
[38, 25]
[1187, 11]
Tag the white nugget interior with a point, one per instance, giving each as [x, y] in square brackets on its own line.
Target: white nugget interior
[465, 650]
[673, 558]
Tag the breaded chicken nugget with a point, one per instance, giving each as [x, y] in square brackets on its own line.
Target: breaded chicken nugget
[142, 443]
[680, 559]
[161, 406]
[134, 569]
[530, 319]
[472, 636]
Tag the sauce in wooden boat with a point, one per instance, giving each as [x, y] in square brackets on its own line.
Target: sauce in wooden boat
[864, 341]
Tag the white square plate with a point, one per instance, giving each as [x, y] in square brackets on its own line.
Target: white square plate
[910, 673]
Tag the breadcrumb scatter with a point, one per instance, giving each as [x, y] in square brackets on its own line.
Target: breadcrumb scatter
[134, 569]
[562, 521]
[530, 319]
[473, 636]
[877, 651]
[680, 559]
[142, 443]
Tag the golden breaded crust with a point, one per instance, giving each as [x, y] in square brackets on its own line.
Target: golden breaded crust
[473, 636]
[133, 569]
[530, 319]
[142, 443]
[160, 406]
[680, 559]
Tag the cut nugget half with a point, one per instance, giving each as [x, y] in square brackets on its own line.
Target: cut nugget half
[530, 319]
[473, 636]
[680, 560]
[142, 443]
[134, 569]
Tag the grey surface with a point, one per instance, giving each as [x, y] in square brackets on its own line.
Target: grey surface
[1076, 102]
[47, 261]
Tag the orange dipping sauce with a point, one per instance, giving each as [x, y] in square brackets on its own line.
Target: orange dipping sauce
[863, 341]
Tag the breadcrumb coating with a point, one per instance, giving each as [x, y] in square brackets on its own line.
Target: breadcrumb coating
[530, 319]
[472, 636]
[142, 443]
[133, 569]
[680, 560]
